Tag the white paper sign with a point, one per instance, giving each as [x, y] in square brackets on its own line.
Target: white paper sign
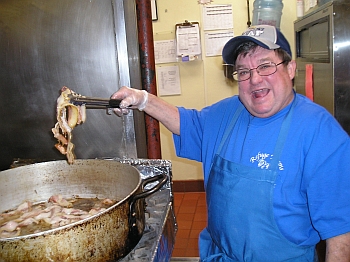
[168, 80]
[164, 51]
[215, 41]
[217, 17]
[188, 40]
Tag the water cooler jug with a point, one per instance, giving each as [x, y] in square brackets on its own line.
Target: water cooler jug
[267, 12]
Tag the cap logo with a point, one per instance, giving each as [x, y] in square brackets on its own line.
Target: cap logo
[255, 32]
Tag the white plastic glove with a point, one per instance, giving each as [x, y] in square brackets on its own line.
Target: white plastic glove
[131, 99]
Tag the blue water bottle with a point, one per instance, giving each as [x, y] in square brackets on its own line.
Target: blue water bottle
[267, 12]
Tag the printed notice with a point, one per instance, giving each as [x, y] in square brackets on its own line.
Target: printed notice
[164, 51]
[188, 40]
[216, 17]
[215, 41]
[168, 79]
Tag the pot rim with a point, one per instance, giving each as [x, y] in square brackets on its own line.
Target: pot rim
[70, 225]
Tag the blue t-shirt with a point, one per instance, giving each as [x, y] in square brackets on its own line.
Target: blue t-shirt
[312, 191]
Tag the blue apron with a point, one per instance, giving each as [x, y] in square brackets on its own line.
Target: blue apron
[241, 223]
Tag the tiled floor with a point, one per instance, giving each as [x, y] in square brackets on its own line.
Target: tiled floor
[191, 216]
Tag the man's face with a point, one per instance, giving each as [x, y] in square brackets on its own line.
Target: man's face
[264, 96]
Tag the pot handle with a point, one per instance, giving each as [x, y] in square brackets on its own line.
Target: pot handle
[161, 178]
[132, 215]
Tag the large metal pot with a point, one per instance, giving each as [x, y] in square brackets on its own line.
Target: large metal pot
[107, 236]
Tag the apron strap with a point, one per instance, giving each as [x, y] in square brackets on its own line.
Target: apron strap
[282, 136]
[230, 126]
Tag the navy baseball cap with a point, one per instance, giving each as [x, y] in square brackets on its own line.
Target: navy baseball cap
[266, 36]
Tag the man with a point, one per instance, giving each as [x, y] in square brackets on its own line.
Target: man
[276, 165]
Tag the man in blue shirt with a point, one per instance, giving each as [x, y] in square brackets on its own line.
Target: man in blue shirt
[276, 165]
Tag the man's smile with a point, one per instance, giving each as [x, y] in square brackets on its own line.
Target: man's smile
[260, 93]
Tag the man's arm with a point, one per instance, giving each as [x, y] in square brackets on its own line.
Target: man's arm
[164, 112]
[157, 108]
[338, 248]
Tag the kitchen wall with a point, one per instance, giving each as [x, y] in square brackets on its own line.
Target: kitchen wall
[203, 82]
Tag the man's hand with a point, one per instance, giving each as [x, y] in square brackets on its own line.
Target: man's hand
[155, 107]
[131, 99]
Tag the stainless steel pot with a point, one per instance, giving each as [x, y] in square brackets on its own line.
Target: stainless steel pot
[106, 236]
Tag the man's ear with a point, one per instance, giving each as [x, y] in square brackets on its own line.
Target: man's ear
[291, 67]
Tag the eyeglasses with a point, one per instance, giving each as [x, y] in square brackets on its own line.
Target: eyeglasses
[263, 70]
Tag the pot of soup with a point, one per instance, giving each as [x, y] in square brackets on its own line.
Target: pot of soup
[107, 234]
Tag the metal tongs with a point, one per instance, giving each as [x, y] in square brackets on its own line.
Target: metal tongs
[94, 102]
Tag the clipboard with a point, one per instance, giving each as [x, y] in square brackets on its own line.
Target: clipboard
[188, 43]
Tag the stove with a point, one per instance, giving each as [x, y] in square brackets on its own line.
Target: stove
[158, 239]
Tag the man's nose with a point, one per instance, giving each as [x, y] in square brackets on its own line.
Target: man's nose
[254, 75]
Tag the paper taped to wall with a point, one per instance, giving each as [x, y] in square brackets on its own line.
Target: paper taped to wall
[168, 80]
